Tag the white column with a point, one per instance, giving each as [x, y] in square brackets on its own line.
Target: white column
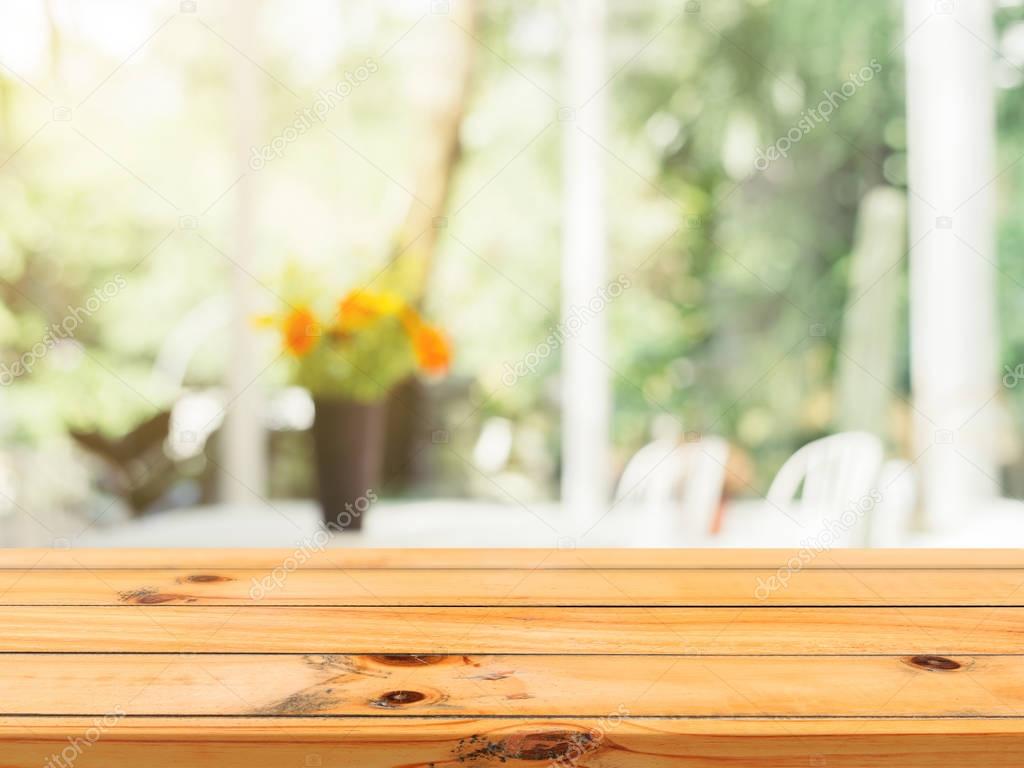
[586, 391]
[951, 138]
[243, 437]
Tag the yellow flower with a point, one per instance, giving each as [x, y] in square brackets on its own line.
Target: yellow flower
[362, 308]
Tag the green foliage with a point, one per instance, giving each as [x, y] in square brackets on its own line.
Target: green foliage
[730, 266]
[363, 366]
[721, 339]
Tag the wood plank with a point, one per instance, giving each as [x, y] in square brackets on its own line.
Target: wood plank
[501, 685]
[351, 557]
[582, 587]
[265, 629]
[512, 743]
[577, 657]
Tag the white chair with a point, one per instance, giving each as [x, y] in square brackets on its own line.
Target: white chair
[831, 487]
[674, 489]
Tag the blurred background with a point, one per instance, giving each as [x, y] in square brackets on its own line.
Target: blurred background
[714, 272]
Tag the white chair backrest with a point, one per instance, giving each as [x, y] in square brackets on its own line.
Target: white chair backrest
[836, 479]
[676, 489]
[655, 466]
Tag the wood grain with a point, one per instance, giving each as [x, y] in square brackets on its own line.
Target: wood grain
[508, 586]
[527, 559]
[515, 743]
[540, 686]
[174, 628]
[589, 658]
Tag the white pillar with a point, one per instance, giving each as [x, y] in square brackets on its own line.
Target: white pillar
[243, 436]
[951, 138]
[586, 390]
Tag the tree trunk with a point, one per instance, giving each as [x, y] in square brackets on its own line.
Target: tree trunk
[447, 88]
[445, 84]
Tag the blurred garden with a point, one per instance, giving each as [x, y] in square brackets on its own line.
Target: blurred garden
[759, 238]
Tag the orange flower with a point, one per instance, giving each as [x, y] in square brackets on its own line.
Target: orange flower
[301, 330]
[433, 351]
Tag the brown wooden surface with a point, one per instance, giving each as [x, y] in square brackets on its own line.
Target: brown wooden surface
[530, 559]
[511, 586]
[432, 658]
[749, 631]
[548, 742]
[645, 686]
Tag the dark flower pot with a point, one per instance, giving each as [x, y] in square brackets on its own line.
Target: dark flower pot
[348, 438]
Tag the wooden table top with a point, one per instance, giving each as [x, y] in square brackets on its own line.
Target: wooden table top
[437, 658]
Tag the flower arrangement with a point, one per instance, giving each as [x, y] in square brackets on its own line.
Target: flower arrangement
[369, 342]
